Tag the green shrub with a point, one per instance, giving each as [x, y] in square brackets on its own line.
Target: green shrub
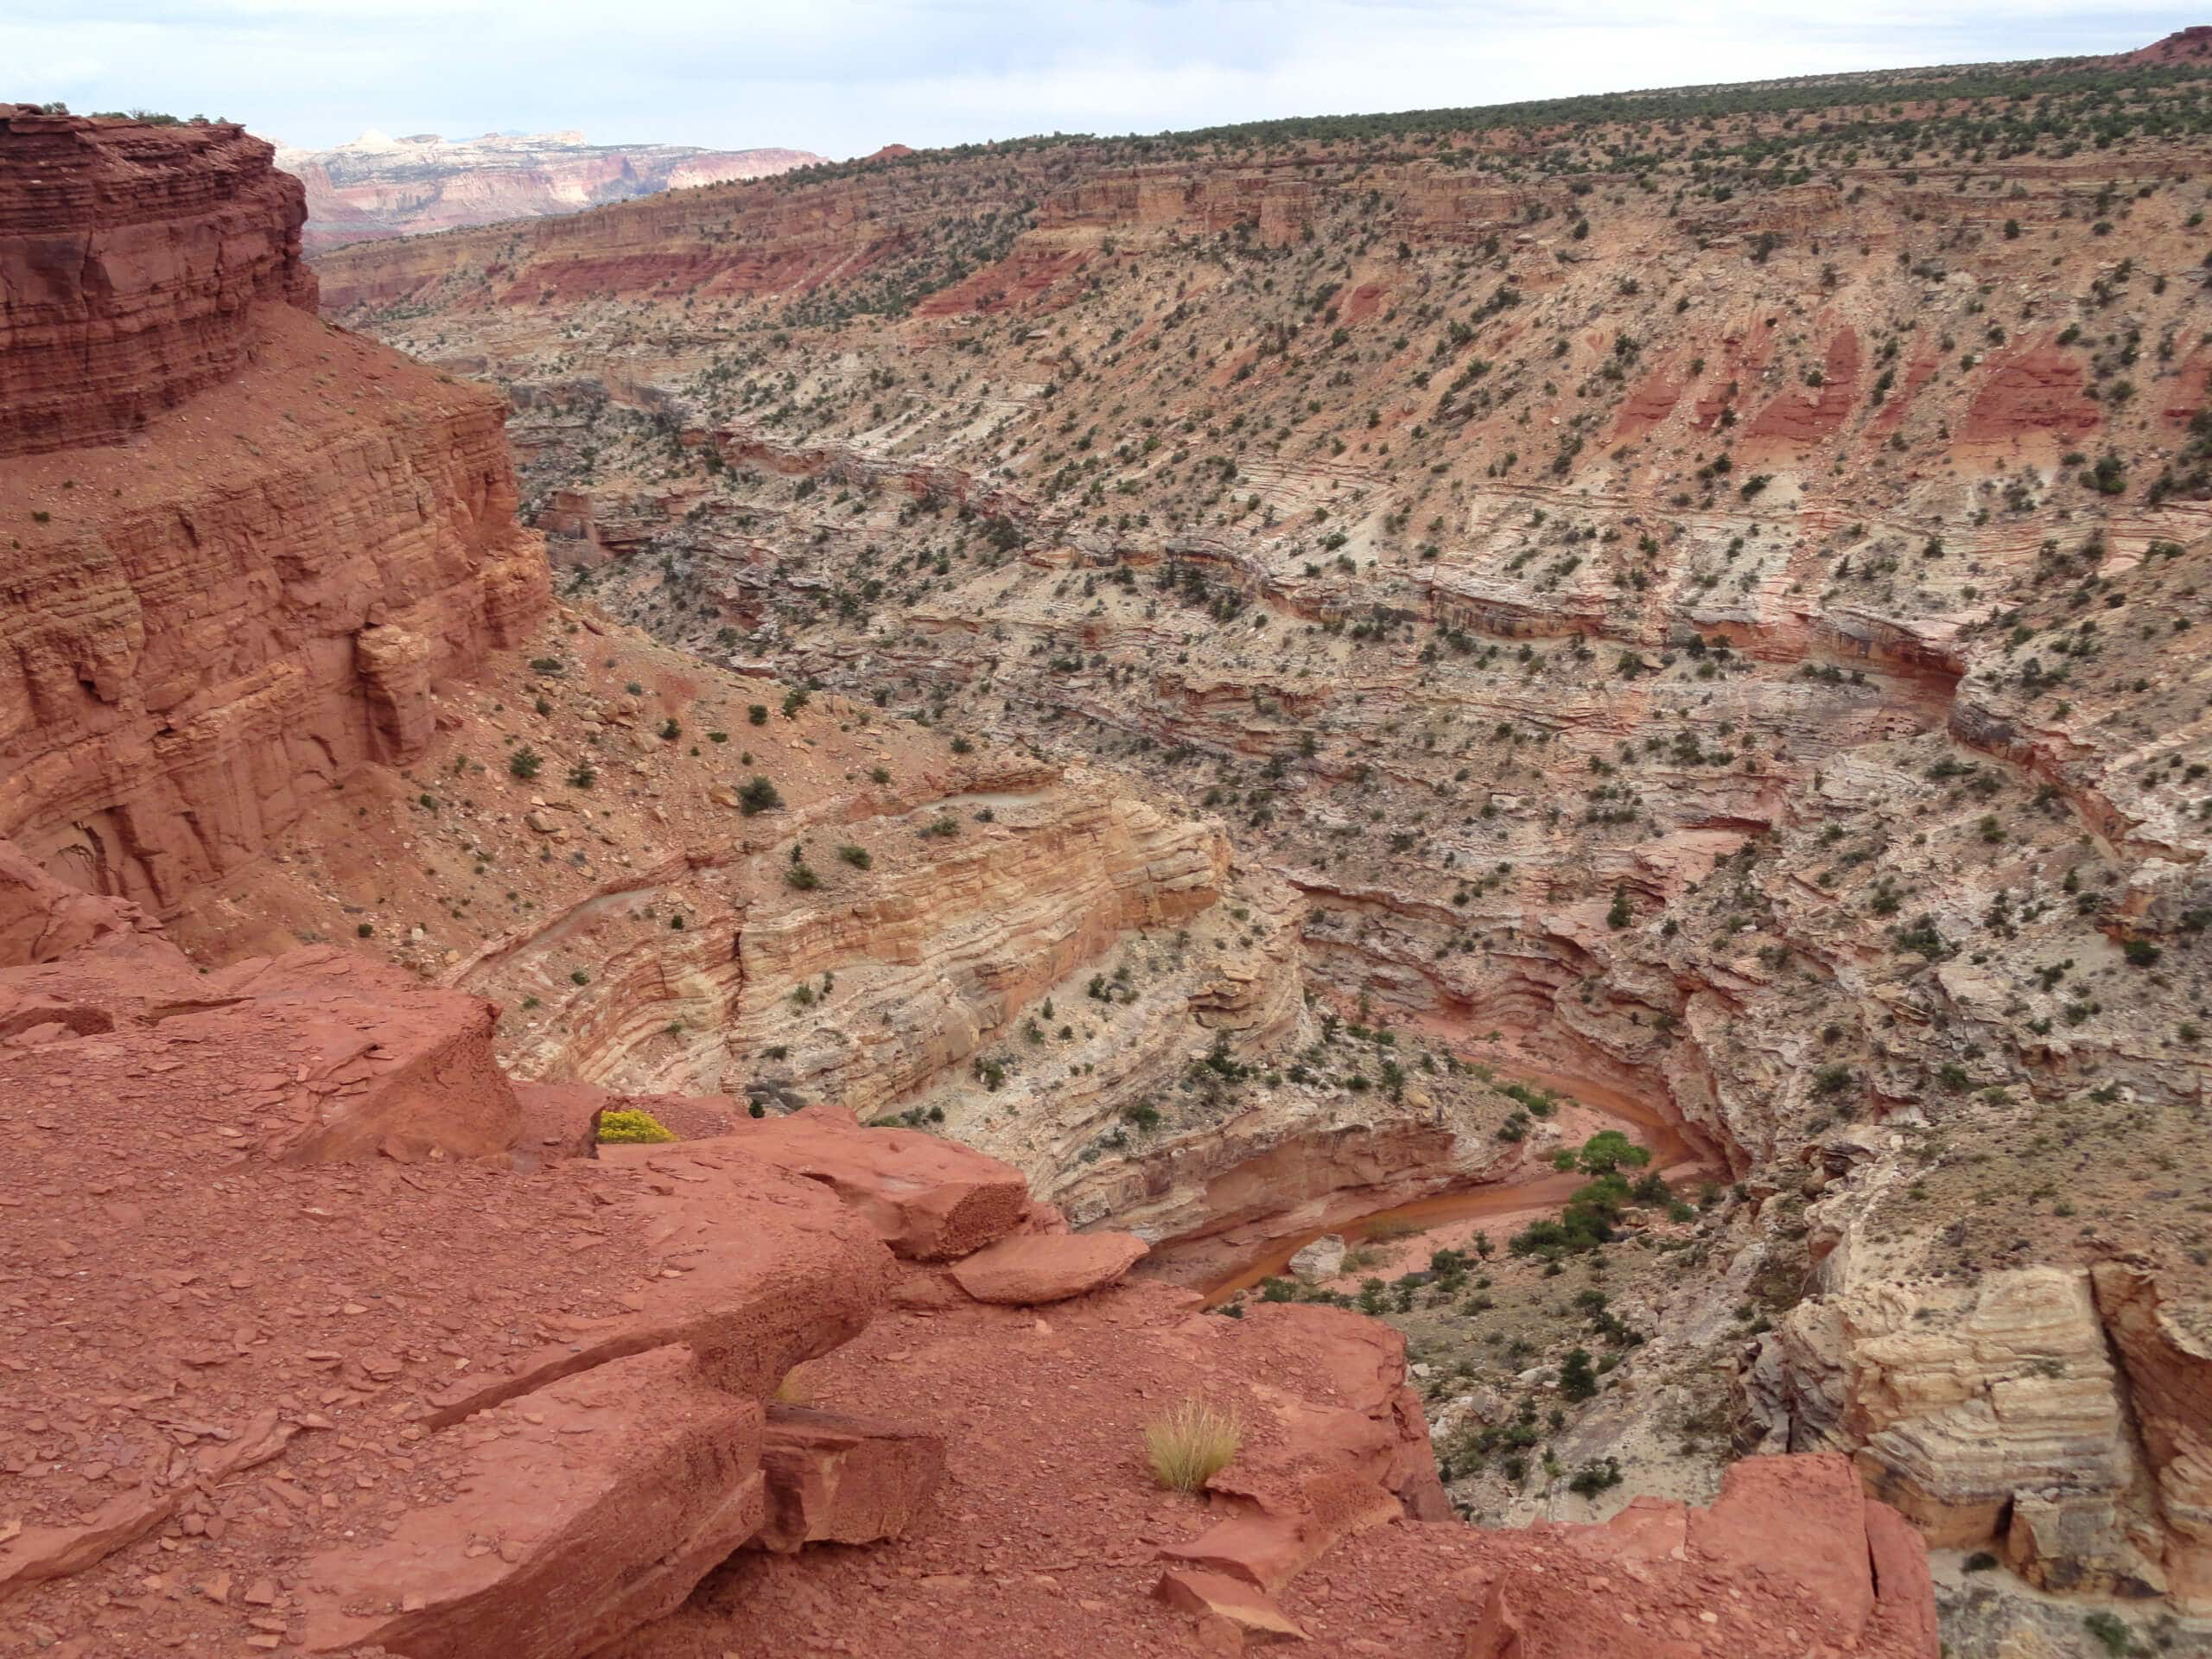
[2111, 1632]
[1594, 1478]
[1577, 1381]
[524, 762]
[759, 796]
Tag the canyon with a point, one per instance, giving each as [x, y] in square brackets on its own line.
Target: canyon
[377, 186]
[335, 1323]
[1684, 601]
[1132, 745]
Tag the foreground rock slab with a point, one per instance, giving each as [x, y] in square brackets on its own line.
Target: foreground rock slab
[930, 1200]
[587, 1509]
[1210, 1595]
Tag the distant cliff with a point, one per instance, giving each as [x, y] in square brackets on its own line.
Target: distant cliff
[379, 187]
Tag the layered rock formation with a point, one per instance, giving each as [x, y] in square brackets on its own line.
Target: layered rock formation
[378, 185]
[136, 260]
[206, 631]
[1695, 601]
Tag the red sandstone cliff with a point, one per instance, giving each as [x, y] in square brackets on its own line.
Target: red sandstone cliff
[130, 258]
[202, 630]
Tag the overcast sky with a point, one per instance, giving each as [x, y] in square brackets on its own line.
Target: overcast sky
[843, 77]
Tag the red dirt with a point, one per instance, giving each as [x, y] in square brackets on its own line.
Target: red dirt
[2038, 390]
[1806, 416]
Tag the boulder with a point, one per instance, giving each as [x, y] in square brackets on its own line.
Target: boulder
[1271, 1547]
[1034, 1268]
[930, 1200]
[1498, 1633]
[1210, 1595]
[841, 1479]
[1322, 1259]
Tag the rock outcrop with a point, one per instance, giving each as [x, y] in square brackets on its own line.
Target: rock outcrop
[133, 258]
[203, 632]
[2163, 1347]
[1994, 1418]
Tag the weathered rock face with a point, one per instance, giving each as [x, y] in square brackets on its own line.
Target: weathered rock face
[204, 631]
[2161, 1338]
[942, 949]
[1961, 1409]
[242, 621]
[379, 187]
[132, 258]
[42, 918]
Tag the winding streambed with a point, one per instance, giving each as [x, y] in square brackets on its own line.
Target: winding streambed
[1671, 1156]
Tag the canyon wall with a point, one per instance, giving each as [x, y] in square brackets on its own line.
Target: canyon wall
[205, 628]
[133, 258]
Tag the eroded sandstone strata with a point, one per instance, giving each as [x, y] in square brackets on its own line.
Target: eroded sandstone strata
[1698, 607]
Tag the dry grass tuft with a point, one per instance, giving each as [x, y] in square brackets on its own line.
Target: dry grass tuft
[1192, 1444]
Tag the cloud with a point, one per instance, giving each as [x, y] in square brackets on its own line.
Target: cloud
[844, 76]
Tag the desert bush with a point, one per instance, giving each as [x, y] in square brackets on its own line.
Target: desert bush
[631, 1128]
